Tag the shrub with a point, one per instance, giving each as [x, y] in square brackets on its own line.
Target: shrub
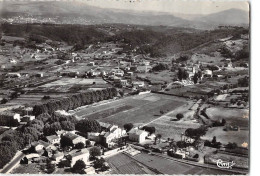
[179, 116]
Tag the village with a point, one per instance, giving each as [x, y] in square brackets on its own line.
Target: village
[111, 108]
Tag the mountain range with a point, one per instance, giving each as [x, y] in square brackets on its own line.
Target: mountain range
[71, 12]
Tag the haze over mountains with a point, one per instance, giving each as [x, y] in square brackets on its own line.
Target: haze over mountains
[70, 12]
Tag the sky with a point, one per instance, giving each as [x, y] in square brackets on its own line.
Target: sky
[170, 6]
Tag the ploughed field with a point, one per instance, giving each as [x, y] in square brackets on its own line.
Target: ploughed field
[139, 109]
[122, 164]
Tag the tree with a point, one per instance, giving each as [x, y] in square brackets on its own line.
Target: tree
[149, 129]
[67, 125]
[65, 142]
[214, 140]
[64, 163]
[100, 164]
[223, 122]
[86, 125]
[79, 167]
[46, 97]
[195, 133]
[80, 145]
[50, 129]
[179, 116]
[160, 67]
[180, 74]
[14, 95]
[3, 101]
[50, 168]
[195, 78]
[43, 117]
[94, 152]
[128, 126]
[231, 145]
[7, 151]
[87, 143]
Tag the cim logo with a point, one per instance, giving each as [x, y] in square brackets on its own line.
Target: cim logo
[224, 164]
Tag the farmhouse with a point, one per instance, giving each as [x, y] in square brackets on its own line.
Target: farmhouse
[61, 132]
[137, 135]
[75, 139]
[106, 138]
[38, 146]
[105, 126]
[53, 139]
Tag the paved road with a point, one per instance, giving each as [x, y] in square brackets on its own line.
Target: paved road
[13, 163]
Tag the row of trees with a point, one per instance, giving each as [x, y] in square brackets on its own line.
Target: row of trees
[74, 101]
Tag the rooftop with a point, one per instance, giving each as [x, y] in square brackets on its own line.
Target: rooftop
[52, 137]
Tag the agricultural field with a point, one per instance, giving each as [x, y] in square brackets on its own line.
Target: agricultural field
[170, 167]
[139, 110]
[32, 98]
[27, 169]
[203, 58]
[122, 164]
[70, 82]
[241, 162]
[161, 76]
[239, 117]
[168, 127]
[234, 117]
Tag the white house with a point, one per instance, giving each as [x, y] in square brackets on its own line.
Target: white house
[110, 133]
[53, 139]
[57, 157]
[137, 135]
[81, 155]
[27, 118]
[207, 72]
[13, 75]
[39, 145]
[138, 84]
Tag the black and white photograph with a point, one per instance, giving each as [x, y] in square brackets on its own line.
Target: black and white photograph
[154, 87]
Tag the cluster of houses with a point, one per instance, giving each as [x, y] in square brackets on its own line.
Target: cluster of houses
[49, 148]
[7, 117]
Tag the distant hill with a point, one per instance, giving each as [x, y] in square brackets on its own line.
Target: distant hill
[227, 17]
[80, 13]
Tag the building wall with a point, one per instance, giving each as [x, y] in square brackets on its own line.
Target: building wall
[84, 157]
